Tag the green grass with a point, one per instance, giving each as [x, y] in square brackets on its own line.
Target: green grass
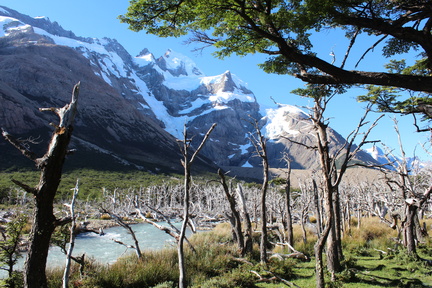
[215, 265]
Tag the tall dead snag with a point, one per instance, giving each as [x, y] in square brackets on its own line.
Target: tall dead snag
[333, 166]
[248, 245]
[72, 237]
[51, 165]
[288, 221]
[234, 218]
[187, 162]
[259, 143]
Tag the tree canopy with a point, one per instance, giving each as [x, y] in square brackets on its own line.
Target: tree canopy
[283, 30]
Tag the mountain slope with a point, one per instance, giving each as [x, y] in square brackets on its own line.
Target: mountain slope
[35, 72]
[132, 109]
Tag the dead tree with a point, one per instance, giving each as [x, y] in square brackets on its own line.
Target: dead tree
[412, 198]
[51, 166]
[259, 143]
[72, 237]
[187, 162]
[287, 188]
[246, 219]
[234, 218]
[125, 225]
[331, 174]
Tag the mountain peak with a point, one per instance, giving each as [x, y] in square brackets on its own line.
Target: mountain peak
[286, 120]
[178, 64]
[41, 22]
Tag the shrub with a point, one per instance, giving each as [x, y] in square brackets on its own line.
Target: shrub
[105, 217]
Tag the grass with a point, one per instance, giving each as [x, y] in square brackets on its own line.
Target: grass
[215, 264]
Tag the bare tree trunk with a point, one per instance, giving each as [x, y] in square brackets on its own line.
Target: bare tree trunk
[187, 163]
[289, 226]
[72, 237]
[318, 249]
[248, 231]
[259, 143]
[263, 243]
[236, 221]
[334, 243]
[51, 165]
[317, 207]
[408, 225]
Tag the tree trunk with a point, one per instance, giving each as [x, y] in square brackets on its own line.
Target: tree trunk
[318, 249]
[409, 234]
[317, 207]
[180, 250]
[334, 242]
[248, 231]
[263, 243]
[235, 219]
[187, 163]
[71, 239]
[289, 226]
[44, 222]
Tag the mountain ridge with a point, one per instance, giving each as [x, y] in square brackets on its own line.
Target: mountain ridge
[136, 107]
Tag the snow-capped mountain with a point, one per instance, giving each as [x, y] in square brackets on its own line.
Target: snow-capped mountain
[133, 108]
[413, 163]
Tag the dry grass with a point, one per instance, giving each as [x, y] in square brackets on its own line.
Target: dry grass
[353, 175]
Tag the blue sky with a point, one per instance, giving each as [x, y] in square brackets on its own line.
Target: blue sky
[98, 18]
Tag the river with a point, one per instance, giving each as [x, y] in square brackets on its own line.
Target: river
[104, 250]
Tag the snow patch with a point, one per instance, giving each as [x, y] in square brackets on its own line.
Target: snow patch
[244, 148]
[175, 60]
[42, 18]
[4, 21]
[247, 165]
[278, 124]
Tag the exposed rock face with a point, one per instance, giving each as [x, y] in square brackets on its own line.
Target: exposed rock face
[132, 109]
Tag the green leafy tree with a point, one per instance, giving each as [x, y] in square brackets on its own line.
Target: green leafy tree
[286, 30]
[11, 235]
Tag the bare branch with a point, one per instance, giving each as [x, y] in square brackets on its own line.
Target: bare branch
[353, 39]
[25, 187]
[369, 49]
[19, 145]
[206, 136]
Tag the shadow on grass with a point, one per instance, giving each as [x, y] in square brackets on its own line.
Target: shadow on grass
[371, 279]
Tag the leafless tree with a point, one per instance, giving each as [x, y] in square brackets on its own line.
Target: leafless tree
[72, 236]
[51, 166]
[187, 163]
[414, 196]
[259, 142]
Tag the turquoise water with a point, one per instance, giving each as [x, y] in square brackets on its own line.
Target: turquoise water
[104, 250]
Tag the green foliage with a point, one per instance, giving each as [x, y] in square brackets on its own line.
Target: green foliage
[9, 253]
[92, 182]
[393, 99]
